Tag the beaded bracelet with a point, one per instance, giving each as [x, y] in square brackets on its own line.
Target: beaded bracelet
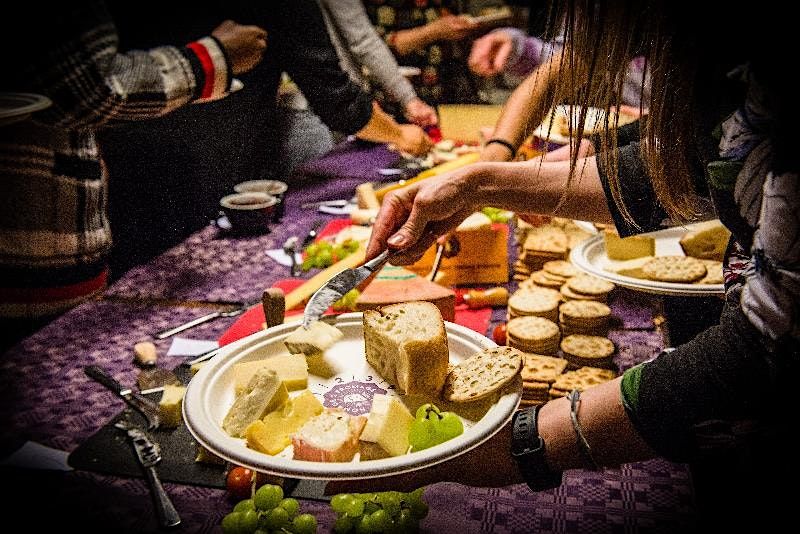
[574, 399]
[505, 143]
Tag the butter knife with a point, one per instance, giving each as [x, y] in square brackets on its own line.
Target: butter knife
[340, 284]
[149, 454]
[140, 403]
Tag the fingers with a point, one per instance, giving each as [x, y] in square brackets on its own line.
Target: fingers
[480, 55]
[501, 57]
[394, 209]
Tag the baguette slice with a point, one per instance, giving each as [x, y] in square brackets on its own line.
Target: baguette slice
[406, 343]
[318, 337]
[332, 436]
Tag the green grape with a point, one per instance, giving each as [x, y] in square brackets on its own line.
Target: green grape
[308, 264]
[324, 259]
[291, 506]
[268, 497]
[417, 507]
[230, 523]
[380, 520]
[424, 411]
[351, 245]
[370, 507]
[390, 500]
[354, 506]
[344, 523]
[304, 524]
[405, 522]
[449, 426]
[248, 522]
[338, 502]
[277, 518]
[364, 525]
[244, 505]
[339, 251]
[421, 434]
[261, 531]
[312, 249]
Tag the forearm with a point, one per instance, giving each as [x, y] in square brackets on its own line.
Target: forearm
[524, 109]
[403, 42]
[381, 128]
[535, 186]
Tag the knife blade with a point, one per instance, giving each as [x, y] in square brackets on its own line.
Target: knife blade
[336, 287]
[140, 403]
[148, 452]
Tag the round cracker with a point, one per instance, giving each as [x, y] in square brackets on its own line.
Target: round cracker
[482, 374]
[683, 269]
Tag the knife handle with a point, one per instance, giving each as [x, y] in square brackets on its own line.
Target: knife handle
[100, 375]
[167, 514]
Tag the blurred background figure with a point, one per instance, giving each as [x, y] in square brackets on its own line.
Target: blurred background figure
[434, 36]
[55, 234]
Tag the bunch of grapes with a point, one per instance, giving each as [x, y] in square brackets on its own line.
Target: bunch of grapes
[388, 512]
[268, 511]
[348, 301]
[496, 214]
[432, 426]
[323, 253]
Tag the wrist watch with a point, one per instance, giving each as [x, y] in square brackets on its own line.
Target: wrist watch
[527, 448]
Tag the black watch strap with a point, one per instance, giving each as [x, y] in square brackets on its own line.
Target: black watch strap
[527, 448]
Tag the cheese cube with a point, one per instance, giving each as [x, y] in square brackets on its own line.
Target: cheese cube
[628, 248]
[264, 393]
[292, 369]
[707, 240]
[387, 425]
[169, 407]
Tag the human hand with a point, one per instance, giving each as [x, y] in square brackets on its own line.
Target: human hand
[414, 140]
[244, 45]
[411, 218]
[420, 113]
[490, 53]
[452, 28]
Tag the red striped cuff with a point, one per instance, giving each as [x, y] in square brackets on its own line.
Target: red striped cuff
[215, 68]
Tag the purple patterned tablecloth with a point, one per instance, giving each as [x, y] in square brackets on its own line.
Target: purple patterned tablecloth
[47, 398]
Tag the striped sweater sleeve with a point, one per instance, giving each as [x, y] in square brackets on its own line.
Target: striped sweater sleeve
[91, 82]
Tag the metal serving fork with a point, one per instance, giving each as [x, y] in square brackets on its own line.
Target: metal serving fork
[149, 454]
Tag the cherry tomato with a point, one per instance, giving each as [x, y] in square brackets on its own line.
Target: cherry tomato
[499, 334]
[239, 482]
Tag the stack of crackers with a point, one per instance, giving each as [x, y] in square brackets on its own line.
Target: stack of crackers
[587, 317]
[586, 287]
[543, 378]
[534, 300]
[581, 350]
[533, 334]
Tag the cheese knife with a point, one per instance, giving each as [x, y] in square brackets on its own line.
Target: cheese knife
[148, 453]
[140, 403]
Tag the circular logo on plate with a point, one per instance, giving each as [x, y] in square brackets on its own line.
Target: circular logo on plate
[353, 397]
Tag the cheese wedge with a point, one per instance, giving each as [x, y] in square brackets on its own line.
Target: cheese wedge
[292, 369]
[628, 248]
[387, 425]
[707, 240]
[331, 436]
[314, 340]
[632, 268]
[272, 434]
[264, 393]
[169, 407]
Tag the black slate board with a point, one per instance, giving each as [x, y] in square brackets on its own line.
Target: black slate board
[108, 451]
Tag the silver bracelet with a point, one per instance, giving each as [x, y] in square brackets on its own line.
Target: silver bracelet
[574, 399]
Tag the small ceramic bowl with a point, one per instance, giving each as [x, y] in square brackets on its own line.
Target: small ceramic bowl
[249, 213]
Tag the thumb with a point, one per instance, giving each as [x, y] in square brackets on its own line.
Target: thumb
[411, 231]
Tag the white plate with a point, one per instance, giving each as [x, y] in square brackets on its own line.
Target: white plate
[18, 106]
[591, 257]
[594, 119]
[348, 382]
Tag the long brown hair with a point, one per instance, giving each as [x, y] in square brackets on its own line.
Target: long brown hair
[601, 37]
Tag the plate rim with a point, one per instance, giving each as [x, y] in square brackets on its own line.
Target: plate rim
[288, 467]
[579, 257]
[37, 102]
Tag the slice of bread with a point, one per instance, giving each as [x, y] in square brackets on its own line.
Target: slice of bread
[314, 340]
[332, 436]
[482, 373]
[406, 343]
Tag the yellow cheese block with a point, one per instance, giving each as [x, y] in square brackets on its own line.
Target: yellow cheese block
[628, 248]
[264, 393]
[292, 370]
[273, 433]
[169, 407]
[196, 367]
[388, 424]
[482, 258]
[707, 240]
[463, 122]
[632, 268]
